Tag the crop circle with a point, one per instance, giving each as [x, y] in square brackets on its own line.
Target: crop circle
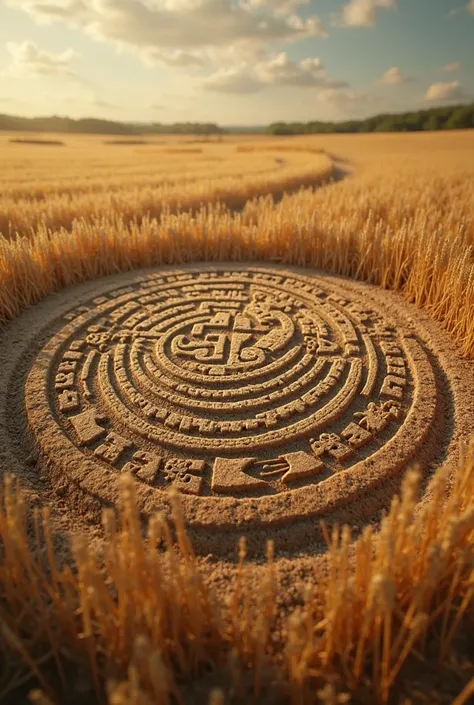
[261, 394]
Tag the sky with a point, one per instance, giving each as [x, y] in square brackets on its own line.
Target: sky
[234, 62]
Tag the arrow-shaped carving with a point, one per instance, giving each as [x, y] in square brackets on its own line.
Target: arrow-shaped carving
[228, 476]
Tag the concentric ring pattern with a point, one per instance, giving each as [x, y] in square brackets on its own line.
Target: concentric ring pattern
[232, 384]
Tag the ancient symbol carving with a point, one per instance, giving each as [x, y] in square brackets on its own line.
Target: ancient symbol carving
[112, 448]
[68, 400]
[228, 476]
[301, 465]
[377, 416]
[86, 426]
[228, 382]
[331, 443]
[182, 474]
[144, 465]
[356, 436]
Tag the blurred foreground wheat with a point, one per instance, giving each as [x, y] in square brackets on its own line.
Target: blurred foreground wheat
[144, 608]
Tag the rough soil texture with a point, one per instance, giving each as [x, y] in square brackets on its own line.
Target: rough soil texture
[270, 397]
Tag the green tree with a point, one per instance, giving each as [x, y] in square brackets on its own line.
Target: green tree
[433, 122]
[461, 118]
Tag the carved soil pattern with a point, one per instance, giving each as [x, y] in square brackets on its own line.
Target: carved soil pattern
[239, 385]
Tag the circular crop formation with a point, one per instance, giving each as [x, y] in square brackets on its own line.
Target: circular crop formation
[261, 394]
[266, 395]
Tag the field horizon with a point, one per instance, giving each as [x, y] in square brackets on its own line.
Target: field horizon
[453, 117]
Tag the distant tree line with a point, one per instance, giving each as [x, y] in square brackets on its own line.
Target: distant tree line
[457, 117]
[104, 127]
[180, 128]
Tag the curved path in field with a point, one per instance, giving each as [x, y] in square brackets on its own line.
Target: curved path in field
[58, 209]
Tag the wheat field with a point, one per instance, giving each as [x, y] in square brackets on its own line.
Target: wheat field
[101, 180]
[142, 626]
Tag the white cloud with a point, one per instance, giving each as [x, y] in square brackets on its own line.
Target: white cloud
[49, 11]
[155, 29]
[277, 71]
[284, 7]
[362, 13]
[450, 90]
[282, 71]
[176, 58]
[469, 7]
[235, 79]
[344, 102]
[394, 77]
[28, 58]
[452, 68]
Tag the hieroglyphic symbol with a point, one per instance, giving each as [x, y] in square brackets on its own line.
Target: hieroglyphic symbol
[68, 400]
[144, 465]
[185, 475]
[331, 443]
[86, 426]
[228, 476]
[376, 416]
[113, 447]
